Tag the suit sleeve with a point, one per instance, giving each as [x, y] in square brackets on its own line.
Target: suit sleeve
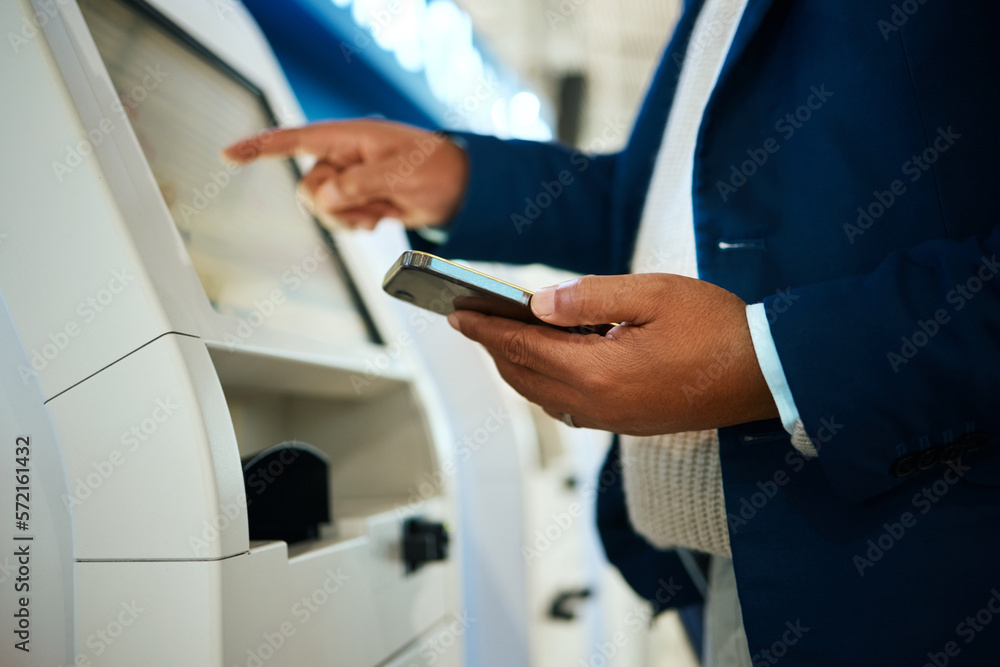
[528, 202]
[897, 372]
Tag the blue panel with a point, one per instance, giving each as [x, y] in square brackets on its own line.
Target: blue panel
[335, 69]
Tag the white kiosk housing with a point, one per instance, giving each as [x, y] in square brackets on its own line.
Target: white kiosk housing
[163, 316]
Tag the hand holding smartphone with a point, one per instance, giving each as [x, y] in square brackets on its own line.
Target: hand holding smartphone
[442, 287]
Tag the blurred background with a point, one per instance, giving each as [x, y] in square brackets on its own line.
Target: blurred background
[591, 60]
[572, 70]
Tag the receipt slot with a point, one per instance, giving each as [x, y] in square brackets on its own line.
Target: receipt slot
[168, 316]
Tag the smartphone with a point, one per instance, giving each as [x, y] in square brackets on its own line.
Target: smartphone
[442, 287]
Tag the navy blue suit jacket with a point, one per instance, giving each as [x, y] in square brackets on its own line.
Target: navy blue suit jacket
[846, 174]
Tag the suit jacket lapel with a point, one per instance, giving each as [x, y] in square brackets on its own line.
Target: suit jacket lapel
[753, 16]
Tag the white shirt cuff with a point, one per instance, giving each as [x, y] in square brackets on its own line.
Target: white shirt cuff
[774, 375]
[433, 234]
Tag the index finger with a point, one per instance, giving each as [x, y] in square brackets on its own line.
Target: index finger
[557, 354]
[320, 139]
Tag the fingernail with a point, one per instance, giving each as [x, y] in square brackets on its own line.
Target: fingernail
[543, 303]
[453, 321]
[327, 196]
[304, 200]
[229, 155]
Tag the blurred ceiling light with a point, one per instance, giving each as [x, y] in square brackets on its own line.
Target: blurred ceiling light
[498, 114]
[524, 108]
[396, 26]
[437, 37]
[525, 121]
[454, 66]
[444, 16]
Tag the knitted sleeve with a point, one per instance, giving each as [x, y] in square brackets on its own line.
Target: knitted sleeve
[673, 490]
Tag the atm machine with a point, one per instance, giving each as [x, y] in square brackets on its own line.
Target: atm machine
[165, 319]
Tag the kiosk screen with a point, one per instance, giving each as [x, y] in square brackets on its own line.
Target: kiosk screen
[259, 255]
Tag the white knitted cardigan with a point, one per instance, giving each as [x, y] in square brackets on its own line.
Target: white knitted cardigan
[673, 483]
[673, 489]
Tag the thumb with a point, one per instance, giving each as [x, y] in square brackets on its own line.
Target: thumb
[597, 300]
